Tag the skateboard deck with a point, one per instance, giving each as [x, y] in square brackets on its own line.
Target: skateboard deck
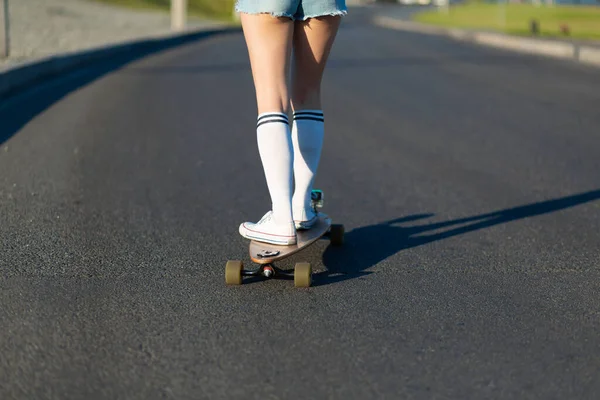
[266, 253]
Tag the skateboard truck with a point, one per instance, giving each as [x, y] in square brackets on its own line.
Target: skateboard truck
[234, 271]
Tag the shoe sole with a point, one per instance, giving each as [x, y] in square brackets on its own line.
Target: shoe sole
[266, 239]
[304, 225]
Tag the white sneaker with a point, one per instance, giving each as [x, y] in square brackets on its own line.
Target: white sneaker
[266, 230]
[305, 219]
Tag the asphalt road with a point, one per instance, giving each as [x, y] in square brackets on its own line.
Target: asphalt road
[467, 179]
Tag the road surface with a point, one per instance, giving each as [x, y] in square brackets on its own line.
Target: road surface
[467, 179]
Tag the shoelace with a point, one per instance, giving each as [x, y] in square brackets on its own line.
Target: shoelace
[266, 217]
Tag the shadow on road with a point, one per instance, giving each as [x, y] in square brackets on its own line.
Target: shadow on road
[365, 247]
[26, 103]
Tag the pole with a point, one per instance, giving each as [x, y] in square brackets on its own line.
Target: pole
[502, 14]
[178, 14]
[4, 38]
[236, 15]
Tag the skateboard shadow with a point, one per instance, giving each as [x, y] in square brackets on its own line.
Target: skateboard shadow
[367, 246]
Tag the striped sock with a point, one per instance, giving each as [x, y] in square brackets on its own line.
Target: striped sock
[276, 153]
[308, 131]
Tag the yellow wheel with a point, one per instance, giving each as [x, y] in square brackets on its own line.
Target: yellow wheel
[336, 235]
[302, 275]
[233, 273]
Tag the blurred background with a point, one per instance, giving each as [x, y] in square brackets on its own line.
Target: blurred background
[220, 9]
[558, 18]
[38, 28]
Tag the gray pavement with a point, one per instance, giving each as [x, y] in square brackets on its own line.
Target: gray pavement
[42, 28]
[467, 179]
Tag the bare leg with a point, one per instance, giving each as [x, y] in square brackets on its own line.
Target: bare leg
[269, 42]
[313, 40]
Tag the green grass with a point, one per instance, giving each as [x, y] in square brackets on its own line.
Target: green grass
[215, 9]
[583, 21]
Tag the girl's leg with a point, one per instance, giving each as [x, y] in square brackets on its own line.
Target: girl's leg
[269, 42]
[313, 40]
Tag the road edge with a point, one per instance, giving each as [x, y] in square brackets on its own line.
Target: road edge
[587, 55]
[24, 75]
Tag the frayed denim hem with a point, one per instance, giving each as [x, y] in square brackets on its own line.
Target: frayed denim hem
[272, 14]
[338, 13]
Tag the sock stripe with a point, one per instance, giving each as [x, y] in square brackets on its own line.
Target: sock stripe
[314, 113]
[274, 120]
[309, 118]
[272, 115]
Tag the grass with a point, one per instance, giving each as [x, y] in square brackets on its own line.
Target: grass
[583, 21]
[214, 9]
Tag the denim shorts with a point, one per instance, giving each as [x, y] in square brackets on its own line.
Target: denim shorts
[294, 9]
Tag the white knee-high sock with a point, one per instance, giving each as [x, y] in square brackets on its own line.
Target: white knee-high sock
[307, 137]
[276, 153]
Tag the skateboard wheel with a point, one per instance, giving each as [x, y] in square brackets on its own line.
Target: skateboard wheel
[336, 234]
[233, 273]
[302, 275]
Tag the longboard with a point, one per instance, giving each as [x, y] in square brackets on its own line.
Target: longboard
[265, 254]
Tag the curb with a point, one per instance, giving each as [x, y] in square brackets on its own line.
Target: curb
[553, 48]
[27, 74]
